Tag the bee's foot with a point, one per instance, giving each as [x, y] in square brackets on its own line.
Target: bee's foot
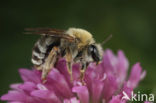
[44, 80]
[71, 77]
[83, 82]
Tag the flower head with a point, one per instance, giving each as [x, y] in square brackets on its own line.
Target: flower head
[104, 83]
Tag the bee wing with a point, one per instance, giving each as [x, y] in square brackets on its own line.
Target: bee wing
[50, 32]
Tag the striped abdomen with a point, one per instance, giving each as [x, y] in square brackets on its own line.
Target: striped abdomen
[42, 48]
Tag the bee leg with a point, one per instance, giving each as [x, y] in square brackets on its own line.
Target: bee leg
[49, 63]
[69, 68]
[69, 63]
[82, 72]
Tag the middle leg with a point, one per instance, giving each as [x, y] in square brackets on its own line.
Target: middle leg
[69, 62]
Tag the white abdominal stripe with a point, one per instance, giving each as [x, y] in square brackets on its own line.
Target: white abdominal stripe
[36, 62]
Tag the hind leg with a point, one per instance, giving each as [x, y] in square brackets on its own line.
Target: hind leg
[49, 63]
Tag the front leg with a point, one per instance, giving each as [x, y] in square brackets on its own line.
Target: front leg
[84, 66]
[82, 71]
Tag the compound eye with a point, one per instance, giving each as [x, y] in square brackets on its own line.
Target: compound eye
[92, 50]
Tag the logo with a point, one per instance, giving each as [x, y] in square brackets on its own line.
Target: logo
[138, 97]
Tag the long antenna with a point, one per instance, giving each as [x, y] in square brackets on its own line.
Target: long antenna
[107, 39]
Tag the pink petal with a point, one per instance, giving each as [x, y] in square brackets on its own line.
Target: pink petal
[14, 96]
[116, 99]
[110, 86]
[122, 67]
[41, 87]
[97, 88]
[15, 86]
[82, 93]
[127, 90]
[27, 86]
[47, 95]
[29, 75]
[62, 67]
[135, 75]
[59, 83]
[76, 71]
[143, 74]
[72, 100]
[109, 62]
[147, 102]
[90, 76]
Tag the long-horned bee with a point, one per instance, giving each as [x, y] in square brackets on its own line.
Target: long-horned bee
[75, 44]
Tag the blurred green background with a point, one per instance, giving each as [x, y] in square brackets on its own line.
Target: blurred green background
[131, 22]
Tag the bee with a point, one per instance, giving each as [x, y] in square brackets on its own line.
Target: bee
[75, 45]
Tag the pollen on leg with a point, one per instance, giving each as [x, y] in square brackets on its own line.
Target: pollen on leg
[49, 63]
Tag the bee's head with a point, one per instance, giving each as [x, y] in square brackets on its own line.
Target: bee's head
[96, 52]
